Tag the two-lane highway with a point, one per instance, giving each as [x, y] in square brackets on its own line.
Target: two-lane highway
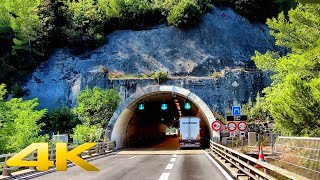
[153, 165]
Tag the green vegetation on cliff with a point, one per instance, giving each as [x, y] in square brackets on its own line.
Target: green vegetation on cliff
[258, 10]
[31, 30]
[294, 96]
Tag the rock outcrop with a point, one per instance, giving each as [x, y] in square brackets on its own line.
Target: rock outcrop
[222, 39]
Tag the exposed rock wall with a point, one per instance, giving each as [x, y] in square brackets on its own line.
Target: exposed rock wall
[223, 39]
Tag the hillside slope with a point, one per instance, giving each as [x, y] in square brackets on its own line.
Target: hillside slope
[222, 39]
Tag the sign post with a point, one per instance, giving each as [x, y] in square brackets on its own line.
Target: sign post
[232, 127]
[242, 126]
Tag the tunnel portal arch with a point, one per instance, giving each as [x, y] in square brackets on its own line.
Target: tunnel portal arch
[121, 117]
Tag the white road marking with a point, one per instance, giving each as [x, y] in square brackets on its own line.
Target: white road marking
[173, 159]
[218, 166]
[132, 157]
[164, 176]
[169, 166]
[174, 155]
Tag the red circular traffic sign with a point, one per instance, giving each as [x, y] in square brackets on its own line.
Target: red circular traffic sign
[232, 126]
[216, 125]
[242, 126]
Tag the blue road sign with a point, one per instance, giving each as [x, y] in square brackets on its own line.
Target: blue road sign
[236, 110]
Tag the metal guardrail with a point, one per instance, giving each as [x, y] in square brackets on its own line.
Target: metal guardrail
[98, 150]
[246, 164]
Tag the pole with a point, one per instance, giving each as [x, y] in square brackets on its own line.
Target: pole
[271, 135]
[242, 144]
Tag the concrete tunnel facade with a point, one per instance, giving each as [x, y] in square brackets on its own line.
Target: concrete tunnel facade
[120, 119]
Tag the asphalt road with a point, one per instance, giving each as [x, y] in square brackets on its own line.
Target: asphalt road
[173, 166]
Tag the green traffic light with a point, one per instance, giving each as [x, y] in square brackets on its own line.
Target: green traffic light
[187, 106]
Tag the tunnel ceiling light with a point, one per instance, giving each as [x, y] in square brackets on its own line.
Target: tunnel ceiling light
[164, 106]
[187, 106]
[141, 106]
[178, 106]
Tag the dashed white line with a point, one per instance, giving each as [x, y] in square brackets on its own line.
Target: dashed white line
[173, 159]
[164, 176]
[174, 155]
[133, 157]
[169, 166]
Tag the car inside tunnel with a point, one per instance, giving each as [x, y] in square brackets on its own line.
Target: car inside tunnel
[155, 122]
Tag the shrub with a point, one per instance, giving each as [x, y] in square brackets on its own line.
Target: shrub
[96, 106]
[160, 76]
[216, 75]
[186, 12]
[84, 133]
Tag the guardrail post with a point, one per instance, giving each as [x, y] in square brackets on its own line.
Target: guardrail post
[98, 149]
[51, 154]
[33, 156]
[6, 172]
[103, 148]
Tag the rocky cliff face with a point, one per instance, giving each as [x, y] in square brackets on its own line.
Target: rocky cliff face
[223, 39]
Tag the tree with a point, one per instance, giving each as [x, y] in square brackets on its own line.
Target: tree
[300, 32]
[257, 10]
[53, 18]
[24, 22]
[257, 110]
[60, 121]
[86, 20]
[186, 12]
[18, 122]
[96, 106]
[293, 98]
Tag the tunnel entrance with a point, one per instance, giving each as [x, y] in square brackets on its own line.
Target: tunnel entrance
[155, 119]
[144, 118]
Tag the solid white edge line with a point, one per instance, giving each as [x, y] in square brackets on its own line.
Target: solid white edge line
[164, 176]
[224, 172]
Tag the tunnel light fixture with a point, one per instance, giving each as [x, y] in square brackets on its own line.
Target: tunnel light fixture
[187, 105]
[178, 106]
[141, 106]
[164, 106]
